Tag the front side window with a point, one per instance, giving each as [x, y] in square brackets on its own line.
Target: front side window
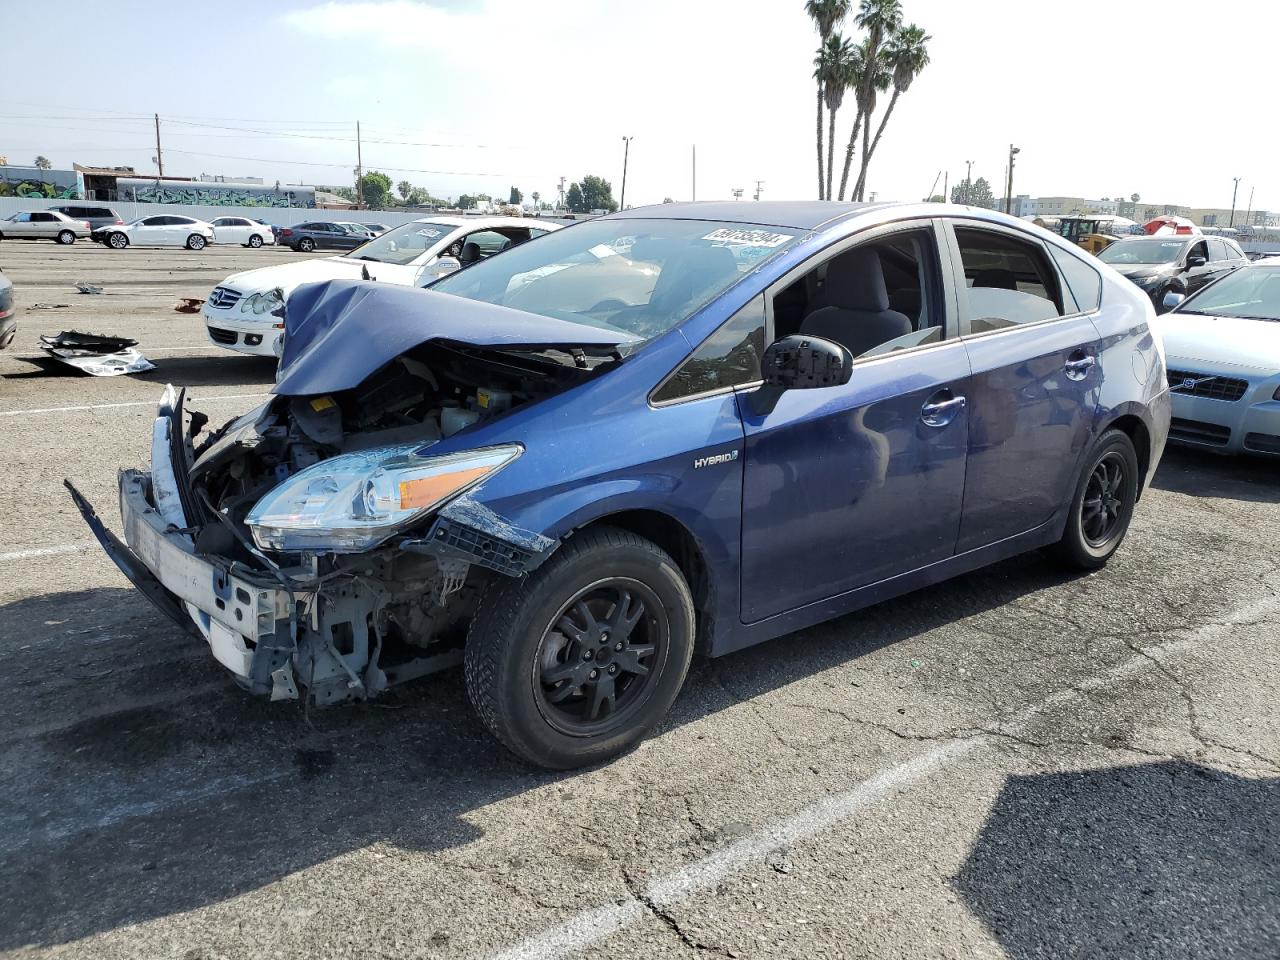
[1200, 249]
[730, 357]
[1008, 281]
[635, 276]
[154, 221]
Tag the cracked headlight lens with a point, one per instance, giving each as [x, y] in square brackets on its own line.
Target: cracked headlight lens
[260, 303]
[352, 503]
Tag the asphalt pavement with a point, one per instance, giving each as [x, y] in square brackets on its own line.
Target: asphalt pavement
[1014, 764]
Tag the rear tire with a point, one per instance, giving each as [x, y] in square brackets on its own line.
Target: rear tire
[196, 242]
[66, 237]
[117, 241]
[255, 241]
[1103, 504]
[578, 661]
[306, 245]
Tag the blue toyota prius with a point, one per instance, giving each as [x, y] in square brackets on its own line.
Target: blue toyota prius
[687, 427]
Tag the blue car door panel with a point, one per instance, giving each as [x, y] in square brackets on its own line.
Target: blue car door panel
[1035, 383]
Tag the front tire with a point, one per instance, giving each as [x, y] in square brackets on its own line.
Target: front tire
[117, 241]
[196, 242]
[1103, 504]
[66, 237]
[577, 662]
[255, 241]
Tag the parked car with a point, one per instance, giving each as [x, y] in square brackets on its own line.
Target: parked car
[239, 311]
[1178, 264]
[569, 465]
[8, 322]
[1223, 346]
[356, 229]
[242, 230]
[43, 225]
[96, 217]
[377, 229]
[319, 235]
[163, 230]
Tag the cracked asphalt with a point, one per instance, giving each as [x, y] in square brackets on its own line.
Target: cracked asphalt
[1016, 763]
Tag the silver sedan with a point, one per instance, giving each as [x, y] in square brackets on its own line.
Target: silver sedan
[1223, 347]
[44, 225]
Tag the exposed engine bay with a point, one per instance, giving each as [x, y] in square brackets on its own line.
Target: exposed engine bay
[358, 621]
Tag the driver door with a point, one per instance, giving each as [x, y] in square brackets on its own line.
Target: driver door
[850, 485]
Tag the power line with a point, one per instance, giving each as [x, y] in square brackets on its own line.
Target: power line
[315, 163]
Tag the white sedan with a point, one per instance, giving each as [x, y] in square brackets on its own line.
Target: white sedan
[239, 311]
[242, 230]
[162, 230]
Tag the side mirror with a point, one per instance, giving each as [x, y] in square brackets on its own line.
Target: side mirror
[1193, 262]
[800, 363]
[1172, 299]
[440, 267]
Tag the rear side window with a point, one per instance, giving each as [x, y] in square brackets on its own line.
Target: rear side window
[730, 357]
[1083, 282]
[1008, 281]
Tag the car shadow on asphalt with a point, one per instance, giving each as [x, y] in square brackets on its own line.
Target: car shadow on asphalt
[1199, 473]
[1169, 859]
[159, 801]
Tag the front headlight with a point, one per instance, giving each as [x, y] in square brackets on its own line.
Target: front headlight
[352, 503]
[1146, 281]
[260, 303]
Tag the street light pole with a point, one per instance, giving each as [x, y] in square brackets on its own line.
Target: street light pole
[1008, 187]
[1233, 201]
[968, 182]
[626, 151]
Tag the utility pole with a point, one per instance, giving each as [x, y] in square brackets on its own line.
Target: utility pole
[946, 187]
[159, 155]
[626, 150]
[1248, 215]
[737, 193]
[968, 182]
[1008, 190]
[1233, 201]
[359, 171]
[695, 171]
[561, 207]
[759, 187]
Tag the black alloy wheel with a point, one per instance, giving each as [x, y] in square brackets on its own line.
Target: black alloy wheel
[597, 656]
[1105, 496]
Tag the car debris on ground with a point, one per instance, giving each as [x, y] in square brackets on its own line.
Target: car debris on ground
[88, 288]
[96, 354]
[50, 306]
[188, 305]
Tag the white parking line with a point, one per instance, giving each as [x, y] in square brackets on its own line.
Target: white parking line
[131, 403]
[58, 551]
[590, 927]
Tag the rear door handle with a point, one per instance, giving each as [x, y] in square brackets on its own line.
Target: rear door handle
[1078, 367]
[939, 412]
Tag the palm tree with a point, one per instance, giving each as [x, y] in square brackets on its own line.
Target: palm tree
[870, 75]
[881, 19]
[835, 64]
[825, 15]
[43, 163]
[907, 54]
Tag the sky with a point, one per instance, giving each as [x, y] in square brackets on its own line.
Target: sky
[1163, 98]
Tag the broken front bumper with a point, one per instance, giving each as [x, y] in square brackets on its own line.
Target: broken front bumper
[245, 619]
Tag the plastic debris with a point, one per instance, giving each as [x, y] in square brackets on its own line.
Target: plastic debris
[49, 306]
[88, 287]
[96, 354]
[188, 305]
[915, 664]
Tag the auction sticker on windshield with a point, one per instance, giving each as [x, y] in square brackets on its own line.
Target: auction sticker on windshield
[752, 238]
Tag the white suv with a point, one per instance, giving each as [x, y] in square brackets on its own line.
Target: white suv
[239, 311]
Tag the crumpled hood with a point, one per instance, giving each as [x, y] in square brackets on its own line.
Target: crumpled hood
[338, 333]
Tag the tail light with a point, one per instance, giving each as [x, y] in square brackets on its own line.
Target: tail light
[120, 222]
[286, 232]
[86, 224]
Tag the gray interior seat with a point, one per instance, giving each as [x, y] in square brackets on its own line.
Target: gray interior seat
[470, 252]
[858, 316]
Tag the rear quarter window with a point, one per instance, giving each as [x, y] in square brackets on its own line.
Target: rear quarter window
[1083, 282]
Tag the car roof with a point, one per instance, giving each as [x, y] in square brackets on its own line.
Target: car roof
[798, 214]
[482, 222]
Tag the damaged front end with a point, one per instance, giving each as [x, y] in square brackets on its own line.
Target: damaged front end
[319, 541]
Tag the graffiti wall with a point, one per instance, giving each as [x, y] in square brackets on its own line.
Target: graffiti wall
[139, 190]
[40, 184]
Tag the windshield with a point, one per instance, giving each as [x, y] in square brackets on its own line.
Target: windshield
[1142, 251]
[639, 277]
[404, 244]
[1252, 292]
